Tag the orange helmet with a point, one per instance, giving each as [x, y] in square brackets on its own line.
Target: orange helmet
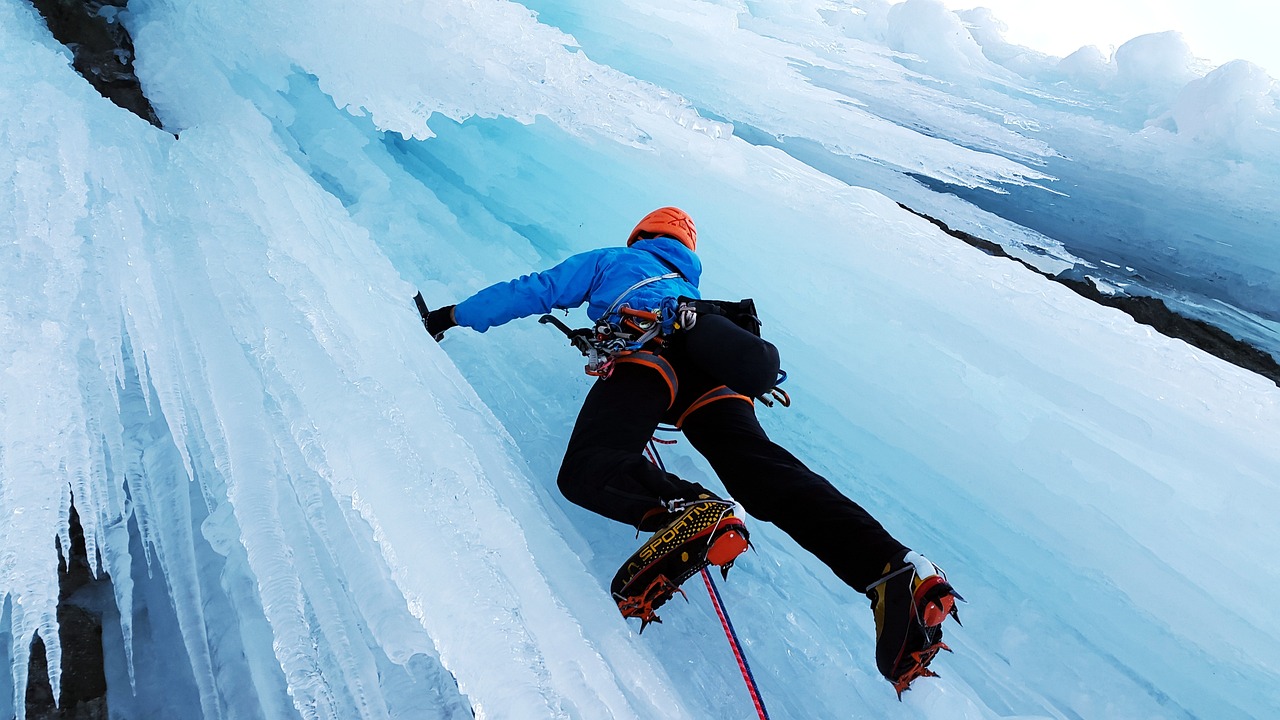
[669, 221]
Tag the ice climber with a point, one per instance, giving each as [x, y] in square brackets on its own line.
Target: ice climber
[662, 355]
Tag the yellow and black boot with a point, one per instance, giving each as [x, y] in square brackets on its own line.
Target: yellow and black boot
[699, 532]
[910, 601]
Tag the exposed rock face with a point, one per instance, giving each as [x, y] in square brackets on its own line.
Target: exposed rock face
[102, 49]
[1146, 310]
[103, 55]
[84, 681]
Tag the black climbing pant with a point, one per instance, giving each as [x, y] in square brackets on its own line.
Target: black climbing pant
[605, 470]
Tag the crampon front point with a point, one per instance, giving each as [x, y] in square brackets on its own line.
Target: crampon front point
[934, 600]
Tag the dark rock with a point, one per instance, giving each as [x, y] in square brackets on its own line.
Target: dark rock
[101, 48]
[1146, 310]
[84, 681]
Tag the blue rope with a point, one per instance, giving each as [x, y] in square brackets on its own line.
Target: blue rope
[736, 645]
[723, 613]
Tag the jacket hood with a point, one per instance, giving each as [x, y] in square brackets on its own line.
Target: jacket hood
[675, 254]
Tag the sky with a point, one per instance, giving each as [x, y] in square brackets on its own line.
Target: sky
[1217, 30]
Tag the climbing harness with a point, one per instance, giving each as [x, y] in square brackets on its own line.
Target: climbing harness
[607, 342]
[611, 339]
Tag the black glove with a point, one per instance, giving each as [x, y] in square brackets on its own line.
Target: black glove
[439, 320]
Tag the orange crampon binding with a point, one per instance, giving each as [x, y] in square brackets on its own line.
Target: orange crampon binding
[934, 600]
[644, 605]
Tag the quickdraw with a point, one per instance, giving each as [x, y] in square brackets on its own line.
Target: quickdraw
[606, 342]
[635, 329]
[600, 345]
[609, 340]
[777, 395]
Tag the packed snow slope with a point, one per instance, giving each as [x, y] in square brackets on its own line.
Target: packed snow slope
[309, 509]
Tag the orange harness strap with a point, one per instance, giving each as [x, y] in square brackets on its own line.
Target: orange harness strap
[657, 362]
[720, 393]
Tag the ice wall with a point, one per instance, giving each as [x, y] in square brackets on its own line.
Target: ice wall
[203, 348]
[214, 335]
[1107, 172]
[1053, 453]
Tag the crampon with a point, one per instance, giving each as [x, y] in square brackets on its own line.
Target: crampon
[704, 533]
[934, 599]
[645, 605]
[918, 667]
[910, 602]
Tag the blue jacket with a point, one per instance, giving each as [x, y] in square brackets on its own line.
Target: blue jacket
[596, 277]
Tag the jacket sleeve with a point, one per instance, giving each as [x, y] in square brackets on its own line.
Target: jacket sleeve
[564, 286]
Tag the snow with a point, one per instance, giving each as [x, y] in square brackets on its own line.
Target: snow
[927, 30]
[307, 508]
[1223, 107]
[1154, 63]
[1087, 68]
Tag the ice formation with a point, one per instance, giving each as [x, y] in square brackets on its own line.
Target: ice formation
[307, 508]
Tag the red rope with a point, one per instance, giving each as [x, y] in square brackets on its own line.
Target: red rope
[738, 655]
[651, 450]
